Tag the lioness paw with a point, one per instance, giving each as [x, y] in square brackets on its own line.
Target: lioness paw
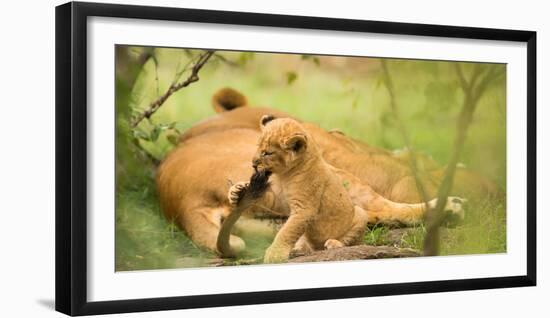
[454, 207]
[454, 210]
[236, 192]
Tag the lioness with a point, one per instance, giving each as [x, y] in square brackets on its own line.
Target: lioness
[194, 178]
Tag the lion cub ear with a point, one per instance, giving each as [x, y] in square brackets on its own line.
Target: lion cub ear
[266, 119]
[296, 143]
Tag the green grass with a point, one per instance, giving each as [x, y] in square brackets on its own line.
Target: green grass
[346, 95]
[145, 240]
[483, 231]
[377, 235]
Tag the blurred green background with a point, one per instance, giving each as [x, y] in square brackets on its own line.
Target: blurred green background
[345, 93]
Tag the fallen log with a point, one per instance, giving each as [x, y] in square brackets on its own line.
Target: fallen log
[337, 254]
[355, 253]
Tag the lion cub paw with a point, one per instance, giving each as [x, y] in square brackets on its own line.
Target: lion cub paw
[276, 255]
[236, 192]
[332, 243]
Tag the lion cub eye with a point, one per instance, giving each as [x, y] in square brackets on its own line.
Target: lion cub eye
[266, 153]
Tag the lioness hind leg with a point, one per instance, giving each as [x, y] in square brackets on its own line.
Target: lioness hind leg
[355, 235]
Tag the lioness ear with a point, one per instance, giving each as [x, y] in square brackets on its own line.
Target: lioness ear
[265, 119]
[296, 143]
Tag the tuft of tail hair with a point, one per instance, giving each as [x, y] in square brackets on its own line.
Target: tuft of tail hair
[227, 99]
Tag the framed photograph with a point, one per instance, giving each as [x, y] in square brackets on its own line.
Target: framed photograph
[209, 158]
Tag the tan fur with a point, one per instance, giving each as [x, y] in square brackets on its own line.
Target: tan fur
[193, 179]
[227, 99]
[321, 210]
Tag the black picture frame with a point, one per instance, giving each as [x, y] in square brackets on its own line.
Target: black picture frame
[71, 157]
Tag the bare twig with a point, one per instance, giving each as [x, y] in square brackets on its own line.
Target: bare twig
[193, 77]
[404, 134]
[462, 79]
[226, 61]
[473, 90]
[155, 60]
[192, 61]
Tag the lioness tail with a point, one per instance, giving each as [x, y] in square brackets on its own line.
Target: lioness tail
[227, 99]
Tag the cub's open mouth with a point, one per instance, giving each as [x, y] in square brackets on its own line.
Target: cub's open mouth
[261, 172]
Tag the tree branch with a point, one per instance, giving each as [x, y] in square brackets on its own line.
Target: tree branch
[472, 93]
[226, 61]
[404, 134]
[193, 77]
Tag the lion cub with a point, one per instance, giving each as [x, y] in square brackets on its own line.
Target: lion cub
[322, 214]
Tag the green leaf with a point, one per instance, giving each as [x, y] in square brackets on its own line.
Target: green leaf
[140, 134]
[245, 57]
[346, 184]
[173, 139]
[166, 126]
[312, 58]
[155, 133]
[316, 61]
[291, 77]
